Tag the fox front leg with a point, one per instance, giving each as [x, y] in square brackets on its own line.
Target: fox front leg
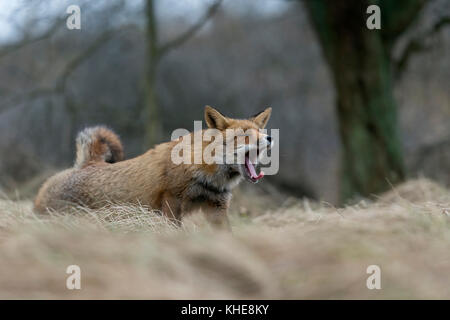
[171, 209]
[217, 216]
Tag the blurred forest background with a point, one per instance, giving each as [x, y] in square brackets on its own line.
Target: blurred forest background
[145, 68]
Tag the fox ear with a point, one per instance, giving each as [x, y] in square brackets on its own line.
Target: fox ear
[214, 119]
[262, 118]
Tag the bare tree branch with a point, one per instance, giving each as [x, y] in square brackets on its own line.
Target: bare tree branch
[30, 95]
[75, 62]
[398, 15]
[418, 44]
[69, 68]
[10, 48]
[57, 23]
[155, 52]
[163, 49]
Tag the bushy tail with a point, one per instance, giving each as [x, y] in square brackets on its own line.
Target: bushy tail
[97, 144]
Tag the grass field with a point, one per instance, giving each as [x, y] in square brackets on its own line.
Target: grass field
[300, 250]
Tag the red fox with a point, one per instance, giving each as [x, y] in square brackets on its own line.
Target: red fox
[101, 175]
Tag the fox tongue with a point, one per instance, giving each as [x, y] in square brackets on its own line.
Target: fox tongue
[251, 169]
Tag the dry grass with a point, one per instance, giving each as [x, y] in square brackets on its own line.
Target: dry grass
[301, 250]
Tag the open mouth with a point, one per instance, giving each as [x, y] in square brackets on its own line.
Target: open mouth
[251, 171]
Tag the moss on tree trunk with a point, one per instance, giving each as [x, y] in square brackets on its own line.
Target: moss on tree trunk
[360, 64]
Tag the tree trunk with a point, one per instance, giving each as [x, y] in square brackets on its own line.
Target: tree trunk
[153, 130]
[155, 52]
[360, 64]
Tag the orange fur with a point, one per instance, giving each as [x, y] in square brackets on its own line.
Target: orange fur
[150, 179]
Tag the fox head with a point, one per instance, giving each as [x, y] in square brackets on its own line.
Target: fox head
[243, 141]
